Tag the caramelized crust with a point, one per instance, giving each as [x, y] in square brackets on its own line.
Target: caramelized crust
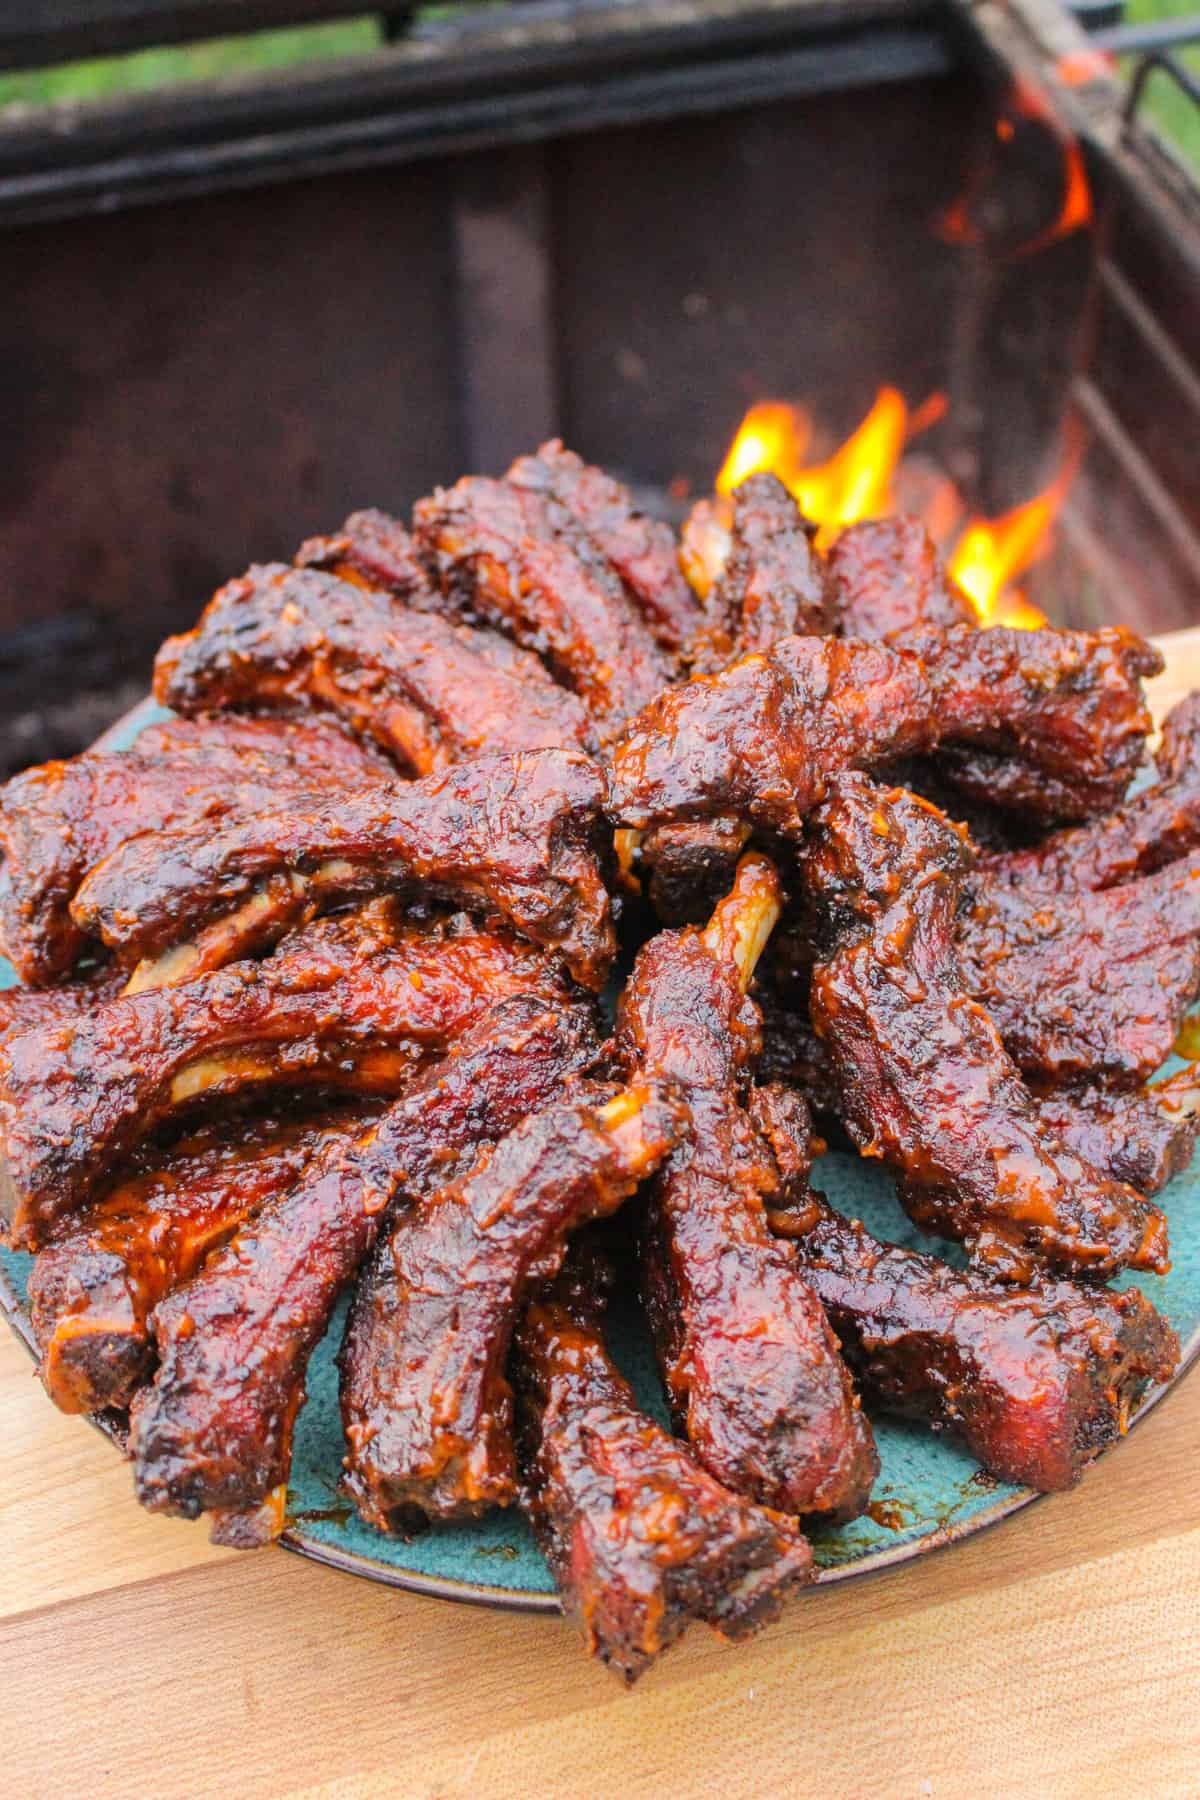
[430, 692]
[1158, 826]
[92, 1292]
[773, 582]
[512, 558]
[1083, 984]
[763, 739]
[57, 821]
[886, 577]
[1145, 1137]
[442, 1445]
[751, 1368]
[374, 550]
[926, 1083]
[214, 1433]
[1036, 1382]
[508, 835]
[641, 550]
[641, 1539]
[375, 1376]
[355, 1003]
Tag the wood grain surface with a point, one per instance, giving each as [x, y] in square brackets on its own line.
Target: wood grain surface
[1055, 1655]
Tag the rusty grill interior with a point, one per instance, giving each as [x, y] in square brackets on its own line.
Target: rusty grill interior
[228, 315]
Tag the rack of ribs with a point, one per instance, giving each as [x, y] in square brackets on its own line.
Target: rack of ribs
[1158, 825]
[772, 585]
[57, 821]
[214, 1431]
[773, 582]
[886, 577]
[429, 691]
[91, 1292]
[511, 555]
[763, 739]
[641, 550]
[1144, 1135]
[374, 550]
[751, 1368]
[355, 1003]
[641, 1539]
[429, 1421]
[1087, 984]
[925, 1081]
[510, 836]
[1035, 1381]
[375, 1346]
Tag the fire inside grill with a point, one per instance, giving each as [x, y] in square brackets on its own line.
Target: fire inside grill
[858, 481]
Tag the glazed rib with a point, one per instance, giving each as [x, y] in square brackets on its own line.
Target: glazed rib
[1036, 1382]
[511, 558]
[377, 1352]
[214, 1433]
[354, 1003]
[441, 1444]
[763, 739]
[1145, 1136]
[886, 577]
[641, 1539]
[751, 1368]
[773, 582]
[1087, 985]
[91, 1292]
[1159, 825]
[375, 551]
[641, 550]
[57, 821]
[430, 692]
[926, 1083]
[507, 835]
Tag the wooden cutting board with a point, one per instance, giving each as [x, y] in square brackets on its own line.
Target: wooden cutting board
[1058, 1654]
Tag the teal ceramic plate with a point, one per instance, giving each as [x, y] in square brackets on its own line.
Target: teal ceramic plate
[929, 1493]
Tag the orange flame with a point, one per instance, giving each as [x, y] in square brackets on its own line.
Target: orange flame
[991, 553]
[957, 225]
[857, 482]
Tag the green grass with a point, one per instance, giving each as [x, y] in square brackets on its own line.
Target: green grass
[1164, 106]
[147, 69]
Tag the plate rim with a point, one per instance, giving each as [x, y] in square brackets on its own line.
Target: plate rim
[481, 1593]
[485, 1594]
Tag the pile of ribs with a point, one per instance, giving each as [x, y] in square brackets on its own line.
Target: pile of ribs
[317, 996]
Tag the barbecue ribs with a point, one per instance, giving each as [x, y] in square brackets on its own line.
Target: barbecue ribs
[773, 582]
[925, 1081]
[513, 836]
[91, 1292]
[430, 692]
[641, 550]
[886, 577]
[1157, 826]
[1087, 984]
[1035, 1381]
[214, 1433]
[512, 556]
[430, 1421]
[763, 739]
[641, 1539]
[59, 820]
[751, 1368]
[355, 1003]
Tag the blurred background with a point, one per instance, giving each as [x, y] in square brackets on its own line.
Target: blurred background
[271, 260]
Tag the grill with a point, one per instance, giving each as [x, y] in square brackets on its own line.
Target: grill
[233, 313]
